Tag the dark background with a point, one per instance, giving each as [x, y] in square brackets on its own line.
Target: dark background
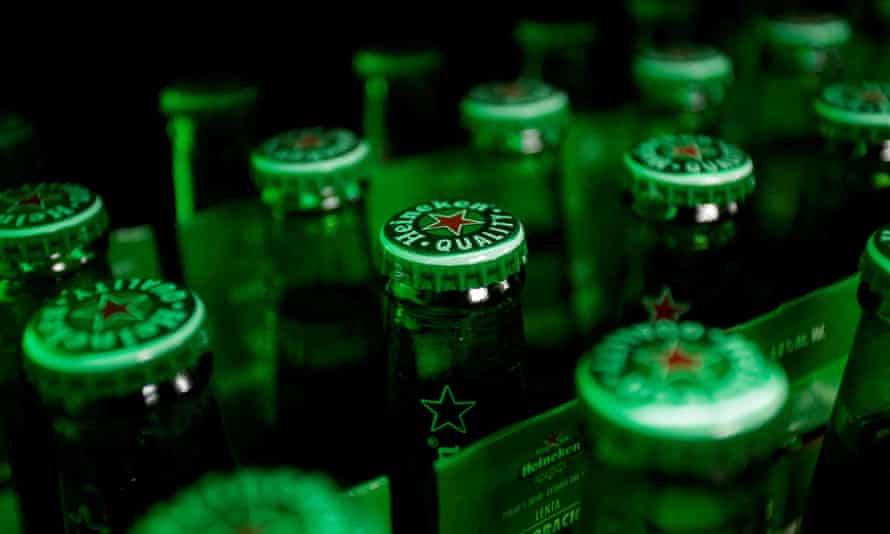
[91, 88]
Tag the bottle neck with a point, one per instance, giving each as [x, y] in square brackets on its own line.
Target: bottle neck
[686, 229]
[865, 163]
[479, 328]
[322, 246]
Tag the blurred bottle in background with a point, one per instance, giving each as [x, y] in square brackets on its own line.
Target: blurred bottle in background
[403, 113]
[330, 372]
[221, 230]
[20, 160]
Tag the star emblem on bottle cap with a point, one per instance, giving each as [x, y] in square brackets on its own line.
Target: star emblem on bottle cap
[873, 96]
[678, 359]
[454, 223]
[511, 90]
[690, 151]
[109, 310]
[664, 307]
[308, 141]
[31, 200]
[447, 411]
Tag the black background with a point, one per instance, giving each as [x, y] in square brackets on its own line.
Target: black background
[91, 86]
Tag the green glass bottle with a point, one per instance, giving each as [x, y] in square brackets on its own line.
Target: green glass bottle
[52, 236]
[517, 130]
[329, 336]
[211, 129]
[221, 231]
[19, 154]
[684, 251]
[774, 119]
[254, 501]
[686, 430]
[454, 273]
[123, 370]
[846, 493]
[846, 199]
[561, 53]
[682, 89]
[402, 109]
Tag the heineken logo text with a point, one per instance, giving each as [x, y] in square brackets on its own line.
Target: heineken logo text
[42, 204]
[688, 154]
[451, 227]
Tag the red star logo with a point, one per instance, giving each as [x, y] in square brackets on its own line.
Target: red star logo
[665, 308]
[553, 439]
[309, 141]
[454, 222]
[677, 359]
[511, 89]
[873, 97]
[113, 308]
[32, 200]
[690, 151]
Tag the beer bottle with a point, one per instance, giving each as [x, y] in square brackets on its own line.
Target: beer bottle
[454, 272]
[517, 131]
[330, 365]
[402, 108]
[798, 55]
[684, 214]
[682, 89]
[211, 129]
[561, 53]
[219, 217]
[19, 158]
[52, 236]
[258, 501]
[846, 493]
[685, 426]
[123, 370]
[847, 197]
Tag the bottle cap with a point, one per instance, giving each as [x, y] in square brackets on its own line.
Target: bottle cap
[113, 339]
[47, 226]
[875, 262]
[688, 170]
[682, 399]
[199, 97]
[396, 62]
[855, 111]
[814, 30]
[522, 104]
[255, 501]
[452, 245]
[310, 166]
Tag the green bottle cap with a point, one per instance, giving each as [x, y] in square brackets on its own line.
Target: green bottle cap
[255, 501]
[689, 170]
[452, 245]
[14, 129]
[816, 30]
[522, 104]
[681, 398]
[875, 262]
[48, 225]
[310, 166]
[855, 111]
[396, 63]
[687, 63]
[113, 339]
[197, 97]
[545, 35]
